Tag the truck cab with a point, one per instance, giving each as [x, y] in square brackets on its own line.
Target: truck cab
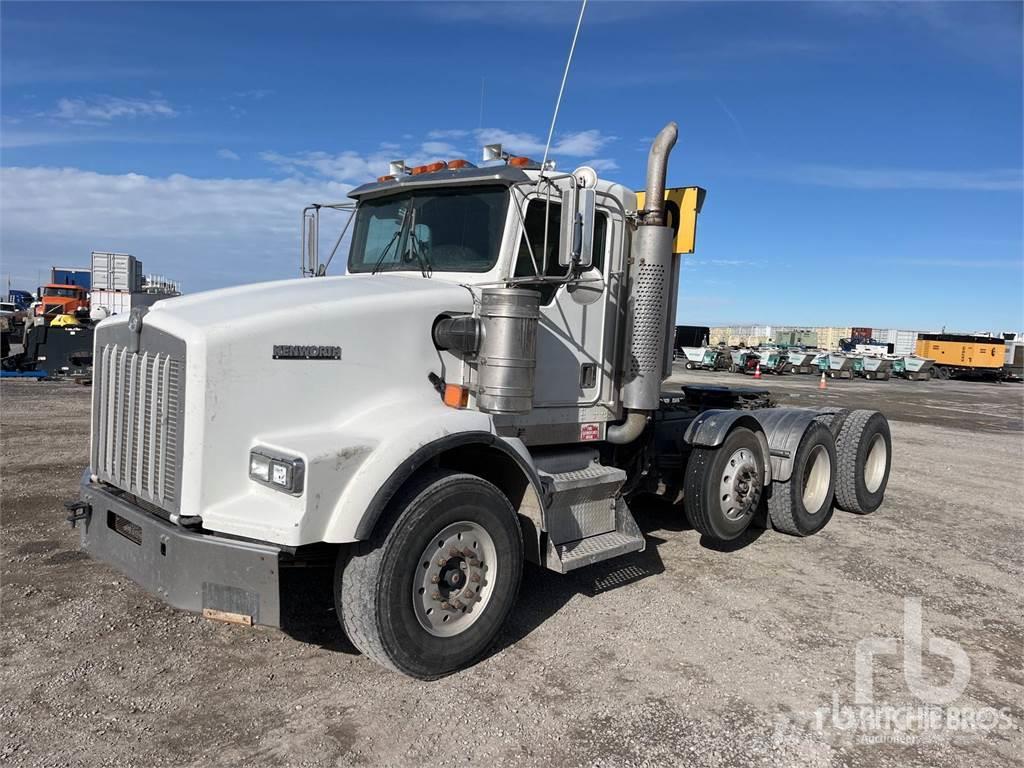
[483, 387]
[58, 299]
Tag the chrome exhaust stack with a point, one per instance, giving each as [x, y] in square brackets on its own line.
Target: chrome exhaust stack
[653, 281]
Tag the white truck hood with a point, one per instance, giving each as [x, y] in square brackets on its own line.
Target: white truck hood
[237, 395]
[286, 301]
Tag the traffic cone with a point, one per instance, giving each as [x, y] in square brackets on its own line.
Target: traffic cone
[757, 371]
[822, 384]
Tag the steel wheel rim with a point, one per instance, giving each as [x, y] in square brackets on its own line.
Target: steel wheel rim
[739, 487]
[817, 477]
[874, 465]
[454, 579]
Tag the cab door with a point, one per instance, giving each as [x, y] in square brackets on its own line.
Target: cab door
[574, 360]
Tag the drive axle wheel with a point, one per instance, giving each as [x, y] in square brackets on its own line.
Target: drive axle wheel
[429, 592]
[723, 485]
[802, 505]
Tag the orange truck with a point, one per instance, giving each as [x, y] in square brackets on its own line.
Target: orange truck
[56, 299]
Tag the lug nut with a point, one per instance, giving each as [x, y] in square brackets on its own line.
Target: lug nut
[436, 596]
[445, 606]
[441, 561]
[474, 577]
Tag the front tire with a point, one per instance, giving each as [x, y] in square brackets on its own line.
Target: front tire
[723, 485]
[430, 591]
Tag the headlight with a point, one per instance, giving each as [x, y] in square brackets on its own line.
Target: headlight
[283, 474]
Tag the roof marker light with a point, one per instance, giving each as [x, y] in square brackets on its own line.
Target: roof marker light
[385, 178]
[460, 163]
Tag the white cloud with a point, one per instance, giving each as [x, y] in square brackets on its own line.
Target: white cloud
[579, 144]
[454, 133]
[999, 180]
[105, 109]
[440, 149]
[603, 164]
[205, 232]
[348, 166]
[227, 154]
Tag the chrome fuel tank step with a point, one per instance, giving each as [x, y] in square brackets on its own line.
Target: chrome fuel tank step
[586, 520]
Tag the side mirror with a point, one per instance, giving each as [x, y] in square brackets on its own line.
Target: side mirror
[577, 237]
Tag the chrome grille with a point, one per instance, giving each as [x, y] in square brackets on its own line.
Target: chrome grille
[136, 414]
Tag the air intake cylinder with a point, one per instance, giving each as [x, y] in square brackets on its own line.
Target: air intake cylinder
[508, 352]
[651, 298]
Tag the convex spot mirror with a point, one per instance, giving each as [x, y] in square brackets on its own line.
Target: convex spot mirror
[576, 246]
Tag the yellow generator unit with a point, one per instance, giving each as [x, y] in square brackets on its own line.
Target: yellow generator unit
[961, 354]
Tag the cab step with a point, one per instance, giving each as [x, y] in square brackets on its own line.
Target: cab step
[586, 520]
[626, 538]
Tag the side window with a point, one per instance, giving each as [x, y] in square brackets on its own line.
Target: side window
[534, 219]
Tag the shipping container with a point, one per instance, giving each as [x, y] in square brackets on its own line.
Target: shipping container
[79, 276]
[116, 272]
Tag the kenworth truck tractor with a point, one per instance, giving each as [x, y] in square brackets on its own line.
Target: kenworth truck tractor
[483, 387]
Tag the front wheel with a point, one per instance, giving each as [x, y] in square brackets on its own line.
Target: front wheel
[429, 593]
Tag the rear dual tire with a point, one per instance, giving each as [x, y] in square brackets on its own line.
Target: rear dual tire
[864, 449]
[802, 505]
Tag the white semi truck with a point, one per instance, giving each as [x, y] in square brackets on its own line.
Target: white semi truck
[483, 387]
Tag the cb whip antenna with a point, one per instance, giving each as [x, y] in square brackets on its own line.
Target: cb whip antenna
[561, 90]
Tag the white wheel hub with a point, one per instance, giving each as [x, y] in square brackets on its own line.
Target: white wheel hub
[453, 580]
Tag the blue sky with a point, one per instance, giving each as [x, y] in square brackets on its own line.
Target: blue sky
[863, 160]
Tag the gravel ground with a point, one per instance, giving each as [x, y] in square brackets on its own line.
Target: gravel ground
[687, 654]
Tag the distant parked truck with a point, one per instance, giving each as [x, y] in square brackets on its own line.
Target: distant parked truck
[875, 367]
[963, 355]
[59, 299]
[20, 299]
[913, 367]
[800, 362]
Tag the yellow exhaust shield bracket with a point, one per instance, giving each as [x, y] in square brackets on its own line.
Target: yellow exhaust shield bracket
[682, 204]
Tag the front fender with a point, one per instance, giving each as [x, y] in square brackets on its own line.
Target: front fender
[403, 433]
[346, 464]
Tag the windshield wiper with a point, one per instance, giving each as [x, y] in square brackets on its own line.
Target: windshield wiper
[393, 240]
[416, 247]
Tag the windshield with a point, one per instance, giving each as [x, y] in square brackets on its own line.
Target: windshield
[67, 293]
[445, 230]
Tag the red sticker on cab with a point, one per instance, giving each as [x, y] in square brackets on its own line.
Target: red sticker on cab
[590, 431]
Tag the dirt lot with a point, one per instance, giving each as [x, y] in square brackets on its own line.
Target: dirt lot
[687, 654]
